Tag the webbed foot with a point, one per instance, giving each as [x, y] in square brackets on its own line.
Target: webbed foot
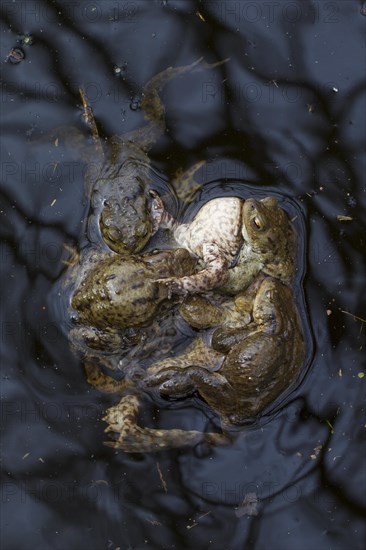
[171, 381]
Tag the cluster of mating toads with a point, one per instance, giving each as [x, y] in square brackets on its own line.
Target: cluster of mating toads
[226, 277]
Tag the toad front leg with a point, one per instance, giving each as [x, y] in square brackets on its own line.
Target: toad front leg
[214, 236]
[214, 274]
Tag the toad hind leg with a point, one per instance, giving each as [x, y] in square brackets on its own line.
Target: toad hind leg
[103, 382]
[131, 438]
[197, 353]
[184, 183]
[153, 108]
[151, 103]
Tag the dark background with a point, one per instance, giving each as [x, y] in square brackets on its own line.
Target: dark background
[286, 115]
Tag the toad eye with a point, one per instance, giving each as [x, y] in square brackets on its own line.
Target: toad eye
[256, 223]
[113, 233]
[142, 230]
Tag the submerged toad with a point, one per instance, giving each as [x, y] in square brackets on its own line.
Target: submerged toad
[123, 214]
[113, 296]
[122, 206]
[123, 211]
[259, 231]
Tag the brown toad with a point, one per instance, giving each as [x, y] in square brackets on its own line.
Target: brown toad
[123, 213]
[114, 296]
[245, 369]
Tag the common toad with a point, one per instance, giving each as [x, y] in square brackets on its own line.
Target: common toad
[235, 239]
[257, 362]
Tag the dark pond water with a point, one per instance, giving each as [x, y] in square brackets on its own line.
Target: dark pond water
[286, 115]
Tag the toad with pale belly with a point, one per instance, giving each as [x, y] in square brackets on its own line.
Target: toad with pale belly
[235, 239]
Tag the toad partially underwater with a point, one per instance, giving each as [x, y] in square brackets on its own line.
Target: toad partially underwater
[235, 239]
[119, 297]
[253, 351]
[124, 212]
[114, 295]
[256, 362]
[116, 298]
[240, 373]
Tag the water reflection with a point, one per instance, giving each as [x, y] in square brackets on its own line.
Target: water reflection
[280, 119]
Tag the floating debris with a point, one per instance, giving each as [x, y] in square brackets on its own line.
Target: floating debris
[135, 104]
[16, 55]
[330, 426]
[161, 477]
[119, 70]
[99, 482]
[354, 316]
[25, 39]
[249, 506]
[344, 218]
[195, 523]
[317, 450]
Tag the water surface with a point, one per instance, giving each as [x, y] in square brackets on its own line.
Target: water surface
[286, 115]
